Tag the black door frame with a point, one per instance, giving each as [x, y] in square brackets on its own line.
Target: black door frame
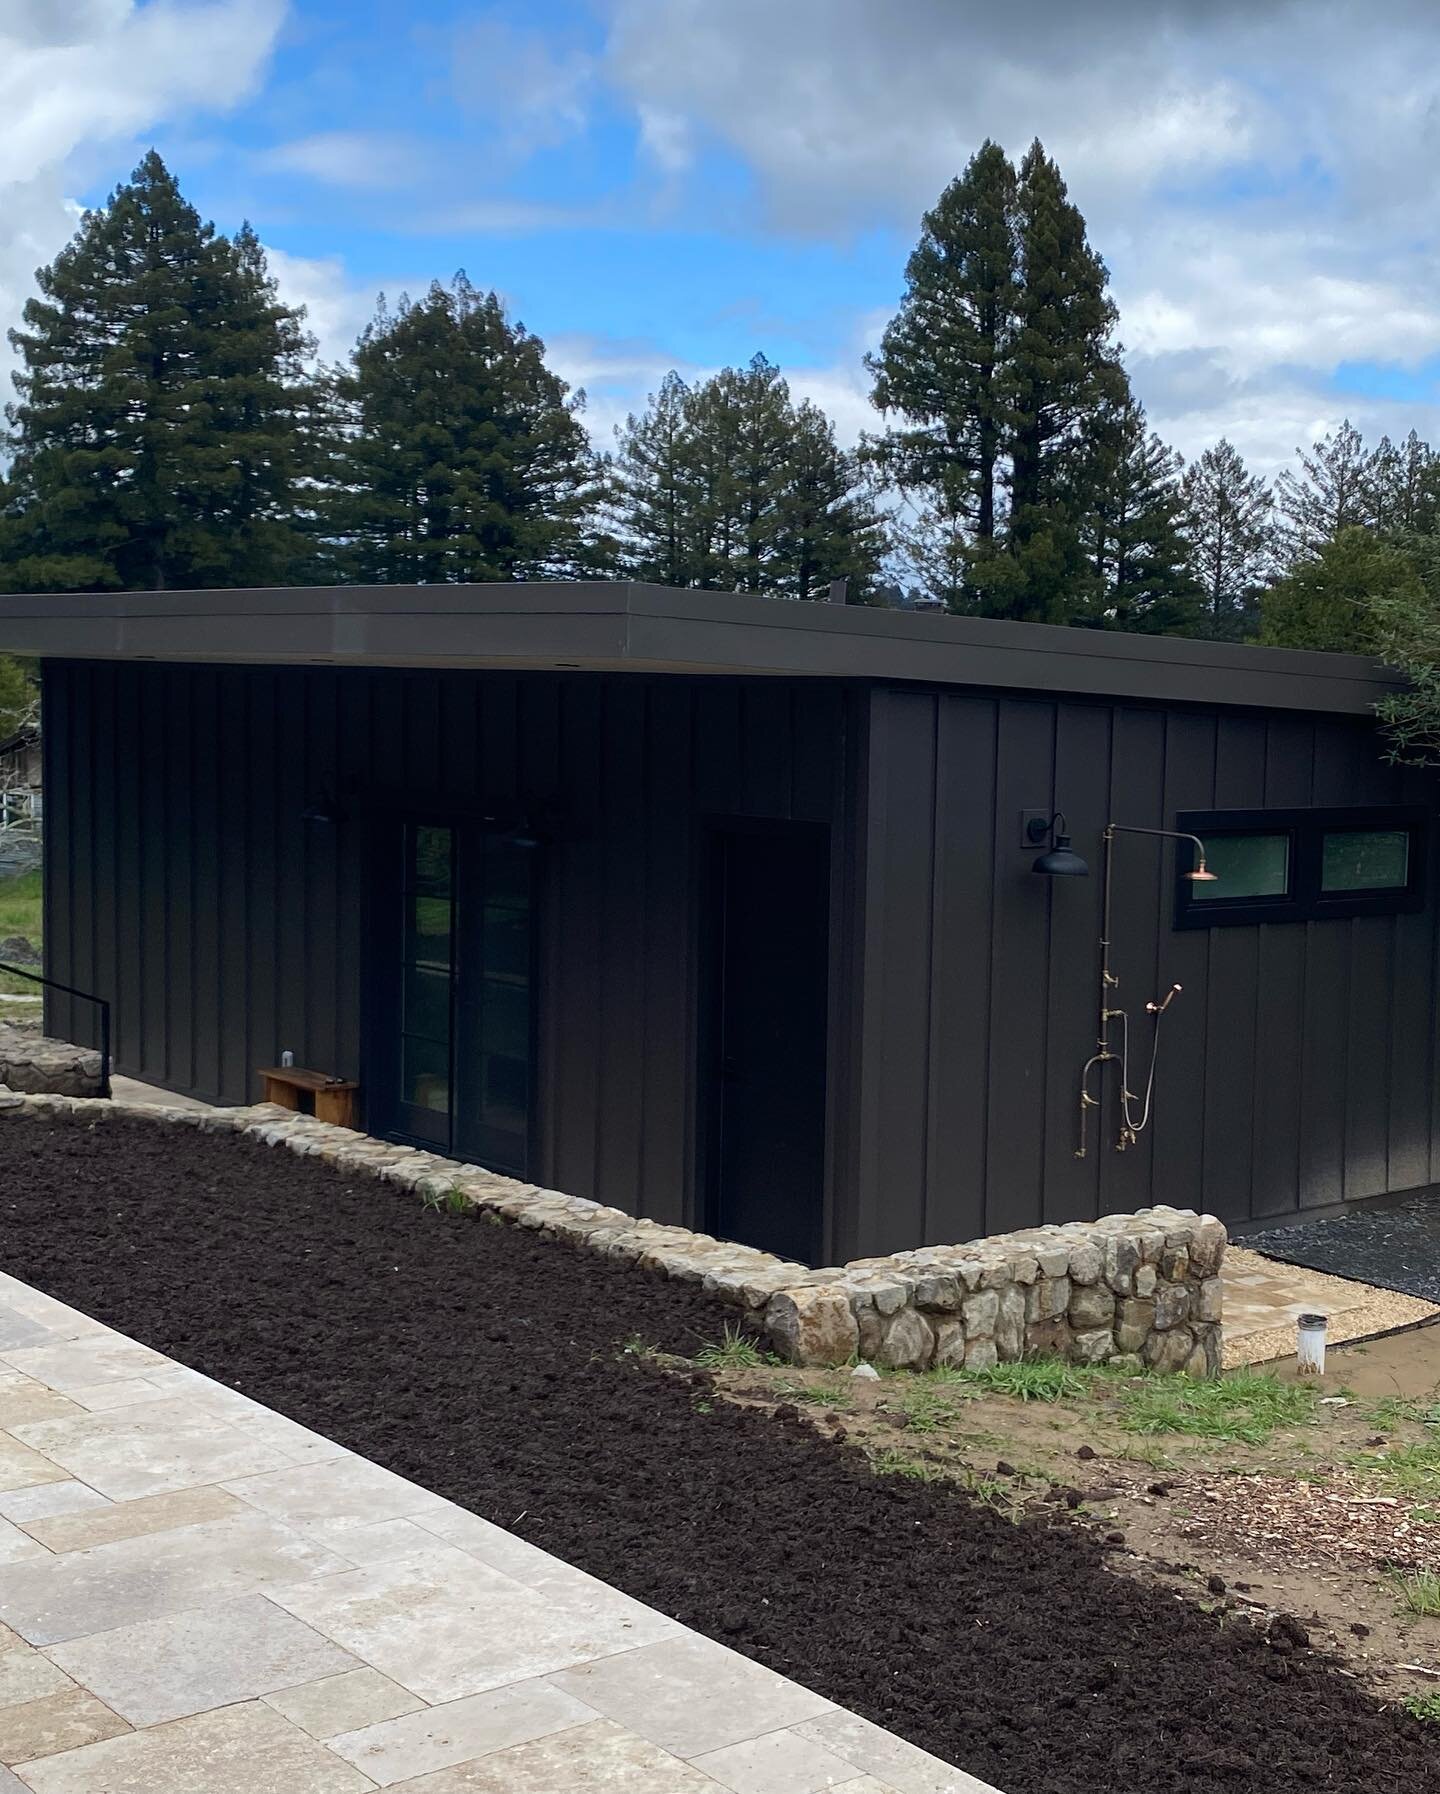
[381, 923]
[709, 960]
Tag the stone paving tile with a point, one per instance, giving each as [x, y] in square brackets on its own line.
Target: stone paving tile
[28, 1675]
[343, 1703]
[70, 1364]
[133, 1519]
[690, 1695]
[22, 1468]
[22, 1399]
[11, 1784]
[783, 1762]
[440, 1737]
[48, 1499]
[444, 1625]
[598, 1758]
[18, 1330]
[207, 1657]
[16, 1546]
[56, 1722]
[366, 1542]
[71, 1596]
[238, 1750]
[513, 1557]
[896, 1764]
[347, 1488]
[128, 1392]
[151, 1449]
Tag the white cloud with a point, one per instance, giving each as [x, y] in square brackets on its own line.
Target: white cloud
[534, 91]
[76, 75]
[1257, 177]
[375, 160]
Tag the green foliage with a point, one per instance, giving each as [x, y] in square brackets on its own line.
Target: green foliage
[736, 1351]
[457, 454]
[1404, 1469]
[1398, 1408]
[1131, 513]
[158, 434]
[1034, 1380]
[1227, 522]
[1000, 372]
[1332, 598]
[1333, 491]
[732, 486]
[1247, 1406]
[19, 693]
[893, 1462]
[1423, 1706]
[1419, 1590]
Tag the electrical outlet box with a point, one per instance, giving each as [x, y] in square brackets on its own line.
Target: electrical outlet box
[1040, 839]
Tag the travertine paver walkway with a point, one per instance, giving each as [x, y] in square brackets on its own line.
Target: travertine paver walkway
[198, 1596]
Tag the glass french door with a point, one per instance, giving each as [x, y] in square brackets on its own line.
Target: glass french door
[462, 1064]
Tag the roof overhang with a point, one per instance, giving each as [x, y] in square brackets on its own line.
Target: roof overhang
[609, 626]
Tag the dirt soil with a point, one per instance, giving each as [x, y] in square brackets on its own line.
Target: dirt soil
[491, 1367]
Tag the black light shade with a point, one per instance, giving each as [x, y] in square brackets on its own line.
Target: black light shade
[1061, 861]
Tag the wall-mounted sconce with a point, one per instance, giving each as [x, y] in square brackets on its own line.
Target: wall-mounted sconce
[1060, 859]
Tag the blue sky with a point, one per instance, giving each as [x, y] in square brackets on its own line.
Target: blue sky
[657, 183]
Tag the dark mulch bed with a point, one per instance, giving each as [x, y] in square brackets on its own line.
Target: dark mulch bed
[1396, 1247]
[484, 1364]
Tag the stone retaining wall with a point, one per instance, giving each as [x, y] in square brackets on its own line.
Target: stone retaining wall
[1143, 1289]
[32, 1062]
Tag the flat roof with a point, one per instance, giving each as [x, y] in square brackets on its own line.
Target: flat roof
[623, 626]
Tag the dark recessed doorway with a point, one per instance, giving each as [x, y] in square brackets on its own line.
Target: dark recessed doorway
[768, 919]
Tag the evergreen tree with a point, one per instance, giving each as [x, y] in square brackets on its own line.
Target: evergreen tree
[459, 455]
[1227, 523]
[941, 360]
[654, 488]
[741, 423]
[156, 437]
[829, 526]
[1061, 375]
[1328, 599]
[1131, 525]
[731, 486]
[1333, 491]
[1404, 483]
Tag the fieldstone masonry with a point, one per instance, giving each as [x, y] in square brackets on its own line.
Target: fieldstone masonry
[34, 1062]
[1139, 1290]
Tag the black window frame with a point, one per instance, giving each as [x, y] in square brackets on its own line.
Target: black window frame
[1304, 900]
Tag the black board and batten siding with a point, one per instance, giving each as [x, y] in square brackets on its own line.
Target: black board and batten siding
[1297, 1068]
[183, 882]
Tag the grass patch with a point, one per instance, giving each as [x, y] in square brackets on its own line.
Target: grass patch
[1420, 1592]
[926, 1408]
[816, 1395]
[1424, 1410]
[1407, 1470]
[734, 1352]
[1247, 1406]
[1423, 1706]
[891, 1462]
[1032, 1380]
[20, 913]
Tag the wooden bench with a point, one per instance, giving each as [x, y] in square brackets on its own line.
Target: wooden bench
[329, 1099]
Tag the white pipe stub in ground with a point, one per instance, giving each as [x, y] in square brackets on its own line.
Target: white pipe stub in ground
[1310, 1344]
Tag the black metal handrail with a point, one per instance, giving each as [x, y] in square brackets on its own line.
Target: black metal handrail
[85, 996]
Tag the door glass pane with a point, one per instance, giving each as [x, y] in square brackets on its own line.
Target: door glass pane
[425, 1073]
[1365, 859]
[505, 1018]
[429, 868]
[427, 1004]
[429, 937]
[507, 943]
[1244, 866]
[507, 1093]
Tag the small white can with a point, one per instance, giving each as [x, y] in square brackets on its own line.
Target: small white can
[1310, 1344]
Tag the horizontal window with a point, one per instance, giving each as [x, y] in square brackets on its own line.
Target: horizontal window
[1244, 866]
[1301, 865]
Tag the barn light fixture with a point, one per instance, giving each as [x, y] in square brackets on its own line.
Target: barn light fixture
[323, 809]
[1060, 859]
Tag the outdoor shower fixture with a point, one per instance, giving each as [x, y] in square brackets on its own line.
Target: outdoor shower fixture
[1133, 1120]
